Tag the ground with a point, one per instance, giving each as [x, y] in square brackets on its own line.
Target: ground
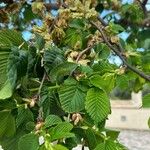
[135, 140]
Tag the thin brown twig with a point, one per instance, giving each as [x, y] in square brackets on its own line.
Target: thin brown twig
[83, 52]
[102, 21]
[140, 73]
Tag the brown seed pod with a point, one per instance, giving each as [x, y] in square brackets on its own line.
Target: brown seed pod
[39, 126]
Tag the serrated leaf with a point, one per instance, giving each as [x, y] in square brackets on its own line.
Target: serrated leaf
[73, 36]
[108, 145]
[11, 143]
[6, 91]
[62, 130]
[49, 102]
[52, 57]
[132, 12]
[15, 67]
[52, 120]
[62, 70]
[103, 50]
[92, 138]
[146, 101]
[9, 38]
[115, 28]
[24, 116]
[30, 126]
[7, 104]
[112, 134]
[77, 24]
[40, 42]
[102, 67]
[29, 142]
[97, 104]
[59, 147]
[106, 82]
[72, 97]
[7, 124]
[122, 81]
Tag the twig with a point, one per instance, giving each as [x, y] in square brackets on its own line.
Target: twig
[102, 21]
[140, 73]
[83, 52]
[41, 85]
[40, 116]
[54, 6]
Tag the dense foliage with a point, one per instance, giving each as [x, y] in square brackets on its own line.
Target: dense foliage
[56, 86]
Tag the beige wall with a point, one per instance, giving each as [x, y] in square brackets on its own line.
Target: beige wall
[129, 118]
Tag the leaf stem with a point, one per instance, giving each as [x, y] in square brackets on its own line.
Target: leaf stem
[40, 116]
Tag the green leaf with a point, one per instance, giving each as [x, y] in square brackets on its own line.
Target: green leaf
[146, 101]
[7, 124]
[62, 70]
[149, 122]
[62, 130]
[5, 84]
[92, 138]
[77, 24]
[6, 90]
[49, 102]
[52, 120]
[52, 58]
[24, 116]
[7, 104]
[9, 38]
[29, 142]
[122, 81]
[97, 104]
[28, 14]
[86, 70]
[115, 28]
[30, 126]
[112, 134]
[143, 39]
[103, 50]
[102, 67]
[108, 145]
[72, 97]
[40, 42]
[11, 143]
[15, 67]
[106, 82]
[73, 36]
[132, 12]
[59, 147]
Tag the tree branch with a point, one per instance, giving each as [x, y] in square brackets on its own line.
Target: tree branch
[144, 2]
[120, 49]
[83, 52]
[140, 73]
[55, 6]
[102, 21]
